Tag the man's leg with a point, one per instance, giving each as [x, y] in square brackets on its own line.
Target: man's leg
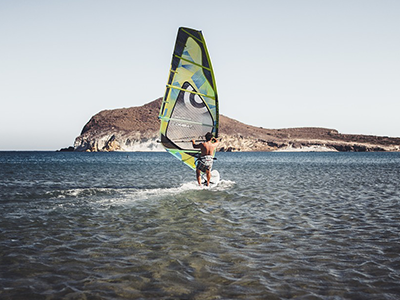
[208, 173]
[198, 175]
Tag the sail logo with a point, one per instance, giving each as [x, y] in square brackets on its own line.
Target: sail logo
[184, 125]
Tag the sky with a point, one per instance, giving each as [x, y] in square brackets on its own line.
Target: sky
[278, 63]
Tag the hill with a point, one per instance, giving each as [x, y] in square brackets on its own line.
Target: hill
[136, 129]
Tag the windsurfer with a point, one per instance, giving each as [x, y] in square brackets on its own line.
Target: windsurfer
[204, 163]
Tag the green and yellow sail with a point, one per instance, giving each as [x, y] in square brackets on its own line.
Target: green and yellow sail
[190, 106]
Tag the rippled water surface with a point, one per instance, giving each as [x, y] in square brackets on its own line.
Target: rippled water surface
[135, 226]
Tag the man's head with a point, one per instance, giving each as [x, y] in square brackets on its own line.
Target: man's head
[209, 136]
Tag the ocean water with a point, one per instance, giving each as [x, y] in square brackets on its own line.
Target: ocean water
[136, 226]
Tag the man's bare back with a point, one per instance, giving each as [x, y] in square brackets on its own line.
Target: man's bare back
[207, 148]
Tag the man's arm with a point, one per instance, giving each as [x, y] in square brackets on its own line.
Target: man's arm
[195, 145]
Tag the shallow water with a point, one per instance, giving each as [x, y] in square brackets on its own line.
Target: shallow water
[136, 226]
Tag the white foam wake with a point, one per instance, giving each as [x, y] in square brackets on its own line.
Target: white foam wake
[185, 187]
[127, 196]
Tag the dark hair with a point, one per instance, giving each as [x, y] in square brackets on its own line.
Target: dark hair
[209, 136]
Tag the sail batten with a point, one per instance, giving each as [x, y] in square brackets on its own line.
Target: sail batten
[185, 121]
[186, 60]
[184, 30]
[190, 106]
[192, 92]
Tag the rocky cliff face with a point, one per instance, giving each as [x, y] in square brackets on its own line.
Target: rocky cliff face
[125, 129]
[136, 129]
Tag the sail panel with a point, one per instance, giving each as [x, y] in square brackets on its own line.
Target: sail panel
[190, 106]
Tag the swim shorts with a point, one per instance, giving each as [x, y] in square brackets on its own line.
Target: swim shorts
[205, 163]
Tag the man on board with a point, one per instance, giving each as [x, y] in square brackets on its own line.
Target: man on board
[205, 162]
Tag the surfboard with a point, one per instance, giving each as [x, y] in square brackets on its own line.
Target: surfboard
[214, 180]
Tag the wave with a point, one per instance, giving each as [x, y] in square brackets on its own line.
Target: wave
[126, 194]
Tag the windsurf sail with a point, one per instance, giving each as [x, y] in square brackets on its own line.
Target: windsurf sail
[190, 106]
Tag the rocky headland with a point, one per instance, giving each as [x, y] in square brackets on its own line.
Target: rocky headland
[136, 129]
